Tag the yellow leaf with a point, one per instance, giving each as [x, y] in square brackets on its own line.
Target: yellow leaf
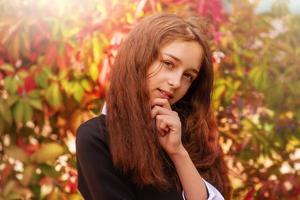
[158, 7]
[27, 175]
[55, 194]
[9, 187]
[75, 197]
[129, 18]
[68, 33]
[97, 50]
[289, 114]
[104, 41]
[78, 92]
[16, 153]
[86, 85]
[94, 71]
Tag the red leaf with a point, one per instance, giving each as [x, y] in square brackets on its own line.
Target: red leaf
[61, 61]
[33, 56]
[27, 147]
[4, 174]
[72, 181]
[51, 54]
[46, 181]
[250, 194]
[212, 9]
[29, 84]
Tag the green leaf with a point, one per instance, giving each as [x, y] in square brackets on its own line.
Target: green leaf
[78, 92]
[2, 124]
[53, 95]
[228, 95]
[47, 153]
[34, 94]
[18, 111]
[256, 75]
[264, 80]
[36, 103]
[42, 78]
[7, 68]
[56, 95]
[11, 84]
[49, 170]
[11, 100]
[5, 112]
[27, 111]
[22, 74]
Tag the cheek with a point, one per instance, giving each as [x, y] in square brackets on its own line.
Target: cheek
[154, 78]
[151, 83]
[154, 69]
[183, 92]
[180, 93]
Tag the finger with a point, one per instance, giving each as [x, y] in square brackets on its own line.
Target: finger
[161, 102]
[158, 110]
[166, 122]
[162, 128]
[163, 133]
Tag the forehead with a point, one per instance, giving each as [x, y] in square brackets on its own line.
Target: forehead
[190, 53]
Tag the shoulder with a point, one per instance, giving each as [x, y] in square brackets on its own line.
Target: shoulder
[92, 130]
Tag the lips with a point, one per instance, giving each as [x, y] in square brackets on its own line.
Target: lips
[166, 94]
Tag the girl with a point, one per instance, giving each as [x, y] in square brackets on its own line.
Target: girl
[157, 138]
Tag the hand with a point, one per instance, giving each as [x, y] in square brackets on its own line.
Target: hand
[168, 125]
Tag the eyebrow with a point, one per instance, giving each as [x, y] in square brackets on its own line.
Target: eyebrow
[174, 57]
[178, 60]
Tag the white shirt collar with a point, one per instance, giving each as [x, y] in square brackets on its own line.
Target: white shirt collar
[104, 109]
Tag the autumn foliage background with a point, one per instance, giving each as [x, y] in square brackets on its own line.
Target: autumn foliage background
[55, 59]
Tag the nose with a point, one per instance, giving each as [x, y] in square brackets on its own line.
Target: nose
[174, 80]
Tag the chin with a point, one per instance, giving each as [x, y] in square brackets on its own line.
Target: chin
[171, 102]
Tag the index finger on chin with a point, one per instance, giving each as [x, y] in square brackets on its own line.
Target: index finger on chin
[161, 102]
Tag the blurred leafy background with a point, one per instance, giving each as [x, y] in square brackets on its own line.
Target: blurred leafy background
[55, 58]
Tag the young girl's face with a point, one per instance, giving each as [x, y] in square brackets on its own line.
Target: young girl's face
[171, 75]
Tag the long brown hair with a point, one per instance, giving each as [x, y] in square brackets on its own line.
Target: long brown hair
[133, 143]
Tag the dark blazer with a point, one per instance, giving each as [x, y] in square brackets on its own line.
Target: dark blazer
[98, 179]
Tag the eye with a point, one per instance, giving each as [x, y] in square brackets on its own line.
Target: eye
[168, 64]
[188, 77]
